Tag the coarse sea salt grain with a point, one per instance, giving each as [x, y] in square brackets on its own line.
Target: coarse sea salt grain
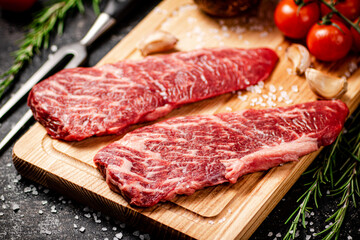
[242, 98]
[261, 84]
[119, 235]
[352, 67]
[289, 71]
[191, 20]
[295, 88]
[218, 37]
[264, 34]
[160, 10]
[214, 30]
[53, 209]
[15, 207]
[82, 229]
[272, 88]
[54, 48]
[228, 109]
[226, 35]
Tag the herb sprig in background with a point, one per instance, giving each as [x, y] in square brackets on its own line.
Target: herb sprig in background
[47, 21]
[338, 168]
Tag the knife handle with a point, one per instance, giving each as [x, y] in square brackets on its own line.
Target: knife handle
[117, 8]
[114, 10]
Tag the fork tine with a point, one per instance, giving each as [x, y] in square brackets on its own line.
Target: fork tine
[75, 61]
[49, 65]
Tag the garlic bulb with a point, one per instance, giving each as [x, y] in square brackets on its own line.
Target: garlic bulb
[158, 41]
[300, 57]
[325, 86]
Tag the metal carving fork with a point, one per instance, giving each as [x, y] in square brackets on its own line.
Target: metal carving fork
[76, 51]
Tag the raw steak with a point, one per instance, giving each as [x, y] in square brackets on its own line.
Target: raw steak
[181, 155]
[79, 103]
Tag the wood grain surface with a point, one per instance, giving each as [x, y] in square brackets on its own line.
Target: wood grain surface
[227, 211]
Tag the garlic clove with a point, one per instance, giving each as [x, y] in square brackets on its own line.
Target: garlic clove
[158, 41]
[325, 86]
[300, 57]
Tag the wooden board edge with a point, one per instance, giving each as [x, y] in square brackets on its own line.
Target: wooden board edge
[278, 194]
[42, 174]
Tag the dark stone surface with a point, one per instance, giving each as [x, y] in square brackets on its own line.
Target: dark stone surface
[30, 211]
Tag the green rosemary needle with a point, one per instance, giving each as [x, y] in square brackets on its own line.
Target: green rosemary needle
[344, 181]
[48, 20]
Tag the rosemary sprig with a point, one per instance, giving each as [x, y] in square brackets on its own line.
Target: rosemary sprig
[349, 186]
[346, 185]
[348, 190]
[302, 209]
[48, 20]
[314, 191]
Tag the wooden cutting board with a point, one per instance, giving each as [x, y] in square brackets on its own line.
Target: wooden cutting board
[220, 212]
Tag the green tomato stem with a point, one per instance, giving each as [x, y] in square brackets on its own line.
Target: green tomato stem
[334, 10]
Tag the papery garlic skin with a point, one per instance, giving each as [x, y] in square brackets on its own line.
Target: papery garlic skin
[325, 86]
[159, 41]
[300, 57]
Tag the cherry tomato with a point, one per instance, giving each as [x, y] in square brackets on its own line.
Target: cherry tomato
[327, 42]
[349, 8]
[356, 37]
[294, 23]
[16, 5]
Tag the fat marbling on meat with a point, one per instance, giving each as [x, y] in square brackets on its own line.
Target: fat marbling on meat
[181, 155]
[78, 103]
